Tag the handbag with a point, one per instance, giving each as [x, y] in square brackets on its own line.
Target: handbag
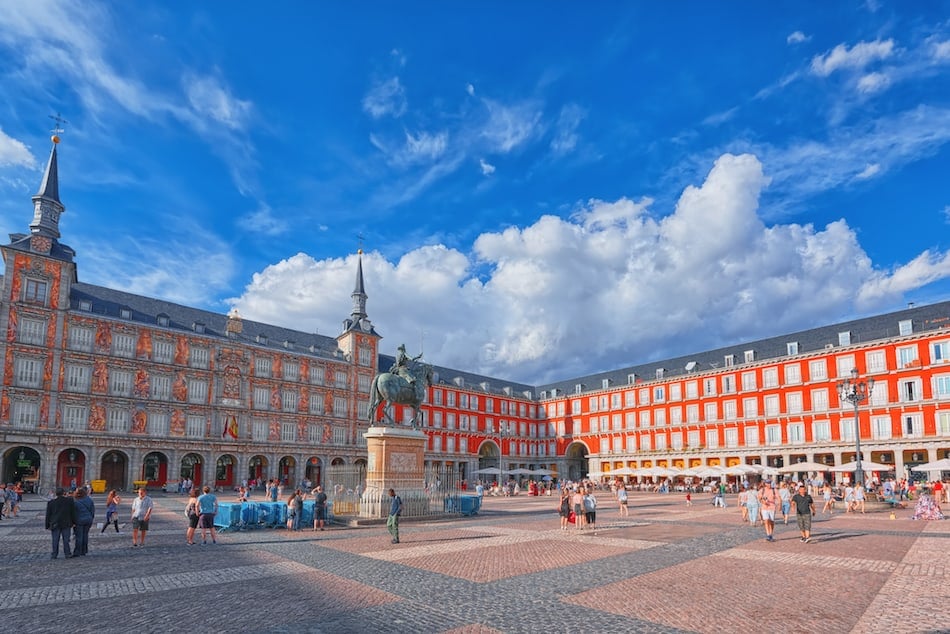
[571, 518]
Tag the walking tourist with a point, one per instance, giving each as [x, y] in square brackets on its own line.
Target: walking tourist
[395, 510]
[622, 500]
[768, 500]
[191, 512]
[85, 515]
[60, 519]
[112, 511]
[804, 509]
[141, 513]
[207, 509]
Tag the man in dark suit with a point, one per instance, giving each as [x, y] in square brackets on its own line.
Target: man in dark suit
[60, 519]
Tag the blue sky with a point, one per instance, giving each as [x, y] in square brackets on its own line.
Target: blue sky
[541, 190]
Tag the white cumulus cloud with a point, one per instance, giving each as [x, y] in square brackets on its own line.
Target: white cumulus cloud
[14, 152]
[615, 281]
[856, 57]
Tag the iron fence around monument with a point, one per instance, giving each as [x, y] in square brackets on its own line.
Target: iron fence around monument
[356, 494]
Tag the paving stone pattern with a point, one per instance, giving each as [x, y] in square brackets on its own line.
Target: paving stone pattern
[665, 568]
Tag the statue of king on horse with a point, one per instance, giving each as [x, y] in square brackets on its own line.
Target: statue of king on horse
[405, 383]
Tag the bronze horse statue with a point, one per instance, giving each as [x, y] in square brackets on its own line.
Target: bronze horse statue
[389, 388]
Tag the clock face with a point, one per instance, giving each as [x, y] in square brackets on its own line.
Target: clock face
[41, 244]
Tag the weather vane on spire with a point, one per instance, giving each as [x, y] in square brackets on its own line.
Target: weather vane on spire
[60, 122]
[359, 242]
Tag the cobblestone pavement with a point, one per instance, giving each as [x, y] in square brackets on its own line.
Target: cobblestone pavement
[665, 568]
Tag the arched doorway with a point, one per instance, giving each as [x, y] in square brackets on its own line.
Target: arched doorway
[576, 458]
[489, 462]
[191, 468]
[224, 472]
[286, 470]
[257, 470]
[155, 469]
[22, 464]
[314, 471]
[71, 469]
[113, 469]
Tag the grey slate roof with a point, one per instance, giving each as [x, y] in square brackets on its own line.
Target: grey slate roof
[863, 330]
[145, 310]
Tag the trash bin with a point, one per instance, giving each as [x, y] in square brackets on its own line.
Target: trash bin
[98, 486]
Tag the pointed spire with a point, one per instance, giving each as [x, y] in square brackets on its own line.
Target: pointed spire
[359, 294]
[46, 205]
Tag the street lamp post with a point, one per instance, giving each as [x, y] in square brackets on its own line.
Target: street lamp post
[856, 392]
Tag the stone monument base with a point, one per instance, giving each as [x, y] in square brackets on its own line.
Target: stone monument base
[396, 460]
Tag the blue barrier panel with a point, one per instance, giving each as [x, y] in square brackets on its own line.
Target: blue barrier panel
[250, 514]
[229, 516]
[306, 516]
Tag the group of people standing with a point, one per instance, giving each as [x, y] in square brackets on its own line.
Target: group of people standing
[578, 506]
[74, 514]
[10, 496]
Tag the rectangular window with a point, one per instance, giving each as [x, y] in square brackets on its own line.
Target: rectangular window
[846, 429]
[659, 394]
[631, 444]
[709, 387]
[942, 386]
[729, 410]
[437, 397]
[25, 415]
[712, 439]
[365, 356]
[793, 403]
[818, 370]
[195, 426]
[728, 384]
[751, 436]
[943, 423]
[317, 374]
[450, 399]
[261, 398]
[74, 418]
[692, 413]
[259, 431]
[940, 352]
[748, 381]
[450, 422]
[32, 331]
[692, 389]
[791, 348]
[729, 360]
[288, 400]
[773, 435]
[200, 358]
[843, 365]
[875, 361]
[659, 417]
[770, 377]
[339, 379]
[120, 383]
[157, 425]
[748, 356]
[117, 421]
[262, 367]
[631, 420]
[317, 404]
[288, 432]
[473, 402]
[163, 351]
[881, 427]
[161, 387]
[907, 357]
[676, 392]
[821, 430]
[339, 406]
[912, 425]
[292, 372]
[750, 407]
[490, 405]
[909, 390]
[660, 441]
[844, 338]
[34, 291]
[123, 345]
[197, 391]
[905, 327]
[676, 441]
[28, 372]
[771, 405]
[710, 412]
[692, 438]
[796, 433]
[732, 438]
[819, 400]
[645, 418]
[80, 339]
[793, 374]
[676, 416]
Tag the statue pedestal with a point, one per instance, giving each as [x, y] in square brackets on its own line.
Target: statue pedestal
[396, 460]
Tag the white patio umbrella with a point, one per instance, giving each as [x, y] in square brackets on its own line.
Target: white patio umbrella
[490, 471]
[937, 465]
[805, 467]
[622, 471]
[866, 465]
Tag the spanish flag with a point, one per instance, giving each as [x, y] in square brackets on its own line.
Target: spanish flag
[230, 427]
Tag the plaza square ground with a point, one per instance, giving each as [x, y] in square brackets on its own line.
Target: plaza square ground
[665, 568]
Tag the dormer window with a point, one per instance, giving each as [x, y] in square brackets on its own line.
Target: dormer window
[198, 327]
[844, 338]
[262, 339]
[659, 373]
[791, 348]
[163, 320]
[289, 345]
[125, 313]
[85, 305]
[905, 327]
